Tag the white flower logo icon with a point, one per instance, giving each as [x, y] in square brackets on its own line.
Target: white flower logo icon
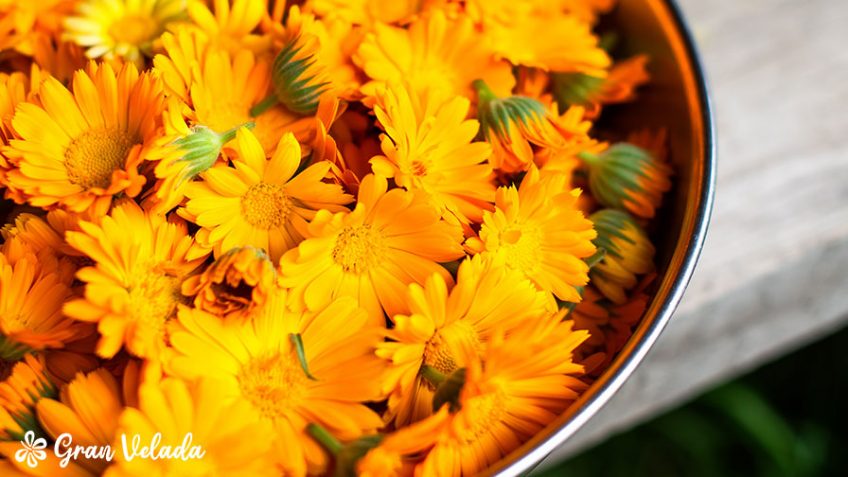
[33, 450]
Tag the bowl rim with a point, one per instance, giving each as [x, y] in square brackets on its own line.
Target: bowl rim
[628, 360]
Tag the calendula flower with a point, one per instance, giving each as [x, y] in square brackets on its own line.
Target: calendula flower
[24, 24]
[230, 25]
[522, 382]
[30, 234]
[367, 12]
[428, 147]
[436, 53]
[260, 202]
[593, 92]
[121, 28]
[629, 253]
[396, 453]
[512, 124]
[31, 303]
[75, 357]
[627, 177]
[537, 229]
[19, 392]
[234, 285]
[57, 58]
[205, 411]
[391, 239]
[78, 149]
[292, 368]
[133, 288]
[553, 42]
[88, 408]
[436, 323]
[609, 325]
[200, 74]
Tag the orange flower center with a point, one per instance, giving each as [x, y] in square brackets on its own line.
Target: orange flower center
[273, 384]
[93, 156]
[134, 29]
[439, 350]
[153, 299]
[359, 248]
[521, 246]
[484, 411]
[265, 206]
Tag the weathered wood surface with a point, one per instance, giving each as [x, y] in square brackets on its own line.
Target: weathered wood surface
[774, 271]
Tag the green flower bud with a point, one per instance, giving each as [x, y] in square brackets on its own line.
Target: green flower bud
[298, 80]
[627, 177]
[629, 253]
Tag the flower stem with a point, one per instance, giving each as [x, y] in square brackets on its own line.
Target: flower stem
[230, 134]
[264, 105]
[432, 375]
[484, 93]
[324, 438]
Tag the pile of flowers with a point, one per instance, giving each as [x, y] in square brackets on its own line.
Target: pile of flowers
[343, 237]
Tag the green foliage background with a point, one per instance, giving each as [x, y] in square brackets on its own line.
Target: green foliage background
[788, 418]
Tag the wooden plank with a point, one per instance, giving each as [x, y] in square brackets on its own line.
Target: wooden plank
[774, 272]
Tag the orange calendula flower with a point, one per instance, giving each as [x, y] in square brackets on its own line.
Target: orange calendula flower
[230, 24]
[88, 408]
[436, 53]
[31, 303]
[593, 92]
[234, 285]
[391, 239]
[428, 147]
[121, 28]
[260, 202]
[513, 123]
[538, 230]
[629, 253]
[522, 381]
[629, 178]
[290, 368]
[367, 12]
[436, 323]
[204, 409]
[78, 149]
[396, 453]
[20, 391]
[133, 288]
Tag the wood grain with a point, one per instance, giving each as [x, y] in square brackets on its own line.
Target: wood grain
[774, 271]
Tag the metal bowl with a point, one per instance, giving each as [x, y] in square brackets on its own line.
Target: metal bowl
[675, 99]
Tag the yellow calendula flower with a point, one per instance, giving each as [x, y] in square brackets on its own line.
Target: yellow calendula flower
[428, 147]
[436, 323]
[133, 288]
[20, 391]
[31, 301]
[391, 239]
[121, 28]
[234, 285]
[292, 368]
[436, 53]
[231, 24]
[537, 229]
[522, 382]
[88, 409]
[78, 149]
[627, 177]
[200, 415]
[629, 253]
[200, 74]
[260, 202]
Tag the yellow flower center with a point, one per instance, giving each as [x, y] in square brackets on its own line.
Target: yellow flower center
[359, 248]
[134, 29]
[153, 301]
[265, 206]
[273, 384]
[485, 411]
[93, 156]
[438, 351]
[521, 245]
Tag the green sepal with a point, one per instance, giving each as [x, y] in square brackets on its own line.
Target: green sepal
[614, 174]
[497, 115]
[448, 391]
[297, 342]
[12, 350]
[610, 224]
[351, 453]
[575, 89]
[293, 88]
